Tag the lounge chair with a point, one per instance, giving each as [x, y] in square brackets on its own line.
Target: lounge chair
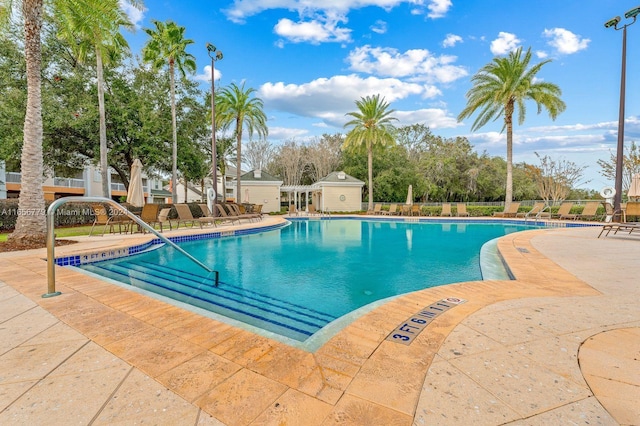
[446, 209]
[234, 210]
[292, 210]
[226, 216]
[312, 210]
[462, 209]
[590, 210]
[377, 209]
[611, 214]
[185, 216]
[415, 210]
[163, 217]
[537, 211]
[564, 211]
[393, 209]
[511, 211]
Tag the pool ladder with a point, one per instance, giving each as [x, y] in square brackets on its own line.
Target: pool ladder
[51, 238]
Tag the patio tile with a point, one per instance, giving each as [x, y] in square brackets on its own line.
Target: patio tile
[525, 385]
[353, 411]
[67, 399]
[23, 327]
[585, 411]
[294, 408]
[241, 398]
[464, 341]
[506, 328]
[198, 375]
[154, 351]
[9, 392]
[449, 397]
[618, 398]
[141, 399]
[90, 357]
[15, 305]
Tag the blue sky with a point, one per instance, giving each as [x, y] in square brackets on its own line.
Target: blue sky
[310, 60]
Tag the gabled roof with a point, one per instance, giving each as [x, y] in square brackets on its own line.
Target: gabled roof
[264, 177]
[340, 177]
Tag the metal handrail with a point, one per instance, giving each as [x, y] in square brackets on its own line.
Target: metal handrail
[51, 237]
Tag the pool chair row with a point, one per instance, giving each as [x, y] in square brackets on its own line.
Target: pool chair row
[631, 209]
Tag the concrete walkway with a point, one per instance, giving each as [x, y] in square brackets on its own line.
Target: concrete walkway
[559, 345]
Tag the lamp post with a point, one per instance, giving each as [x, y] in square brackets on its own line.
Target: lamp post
[215, 56]
[631, 14]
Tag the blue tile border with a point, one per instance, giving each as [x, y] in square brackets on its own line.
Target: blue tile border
[82, 259]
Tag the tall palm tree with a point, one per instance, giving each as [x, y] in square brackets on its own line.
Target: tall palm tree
[371, 126]
[236, 105]
[501, 87]
[167, 46]
[30, 226]
[93, 26]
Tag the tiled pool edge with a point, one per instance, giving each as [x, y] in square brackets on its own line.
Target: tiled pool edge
[96, 256]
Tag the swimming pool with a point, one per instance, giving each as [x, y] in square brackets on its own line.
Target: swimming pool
[295, 280]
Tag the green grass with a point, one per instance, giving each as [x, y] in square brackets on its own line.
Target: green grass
[74, 231]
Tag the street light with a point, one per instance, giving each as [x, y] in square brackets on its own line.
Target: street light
[215, 56]
[631, 14]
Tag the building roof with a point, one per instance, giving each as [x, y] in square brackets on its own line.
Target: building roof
[340, 177]
[264, 177]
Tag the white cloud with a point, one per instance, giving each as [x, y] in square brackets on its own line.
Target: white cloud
[451, 40]
[438, 8]
[285, 133]
[380, 27]
[206, 74]
[420, 64]
[434, 118]
[135, 15]
[505, 43]
[242, 9]
[564, 41]
[541, 54]
[329, 99]
[313, 31]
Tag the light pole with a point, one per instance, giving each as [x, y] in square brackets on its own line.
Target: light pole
[631, 14]
[215, 56]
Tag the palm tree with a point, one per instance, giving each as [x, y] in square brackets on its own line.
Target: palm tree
[371, 126]
[93, 26]
[30, 226]
[236, 106]
[504, 85]
[167, 45]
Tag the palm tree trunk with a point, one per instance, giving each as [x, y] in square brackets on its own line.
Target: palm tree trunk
[238, 157]
[508, 118]
[174, 126]
[104, 172]
[370, 167]
[32, 224]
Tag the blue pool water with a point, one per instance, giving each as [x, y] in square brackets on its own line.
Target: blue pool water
[295, 280]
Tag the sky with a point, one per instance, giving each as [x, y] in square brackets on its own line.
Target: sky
[310, 60]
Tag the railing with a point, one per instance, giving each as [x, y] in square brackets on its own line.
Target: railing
[51, 237]
[120, 187]
[14, 177]
[68, 182]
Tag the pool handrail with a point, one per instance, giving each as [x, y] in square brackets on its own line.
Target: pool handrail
[51, 237]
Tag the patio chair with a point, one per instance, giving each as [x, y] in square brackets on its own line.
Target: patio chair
[537, 211]
[149, 215]
[312, 210]
[377, 209]
[234, 210]
[589, 212]
[292, 210]
[512, 211]
[100, 217]
[415, 210]
[461, 208]
[226, 216]
[446, 209]
[564, 211]
[163, 217]
[185, 216]
[611, 225]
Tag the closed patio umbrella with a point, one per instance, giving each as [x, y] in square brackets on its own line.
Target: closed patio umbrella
[135, 194]
[410, 196]
[634, 189]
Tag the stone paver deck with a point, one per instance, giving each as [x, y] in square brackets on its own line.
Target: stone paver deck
[558, 345]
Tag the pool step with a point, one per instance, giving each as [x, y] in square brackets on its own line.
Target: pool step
[251, 307]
